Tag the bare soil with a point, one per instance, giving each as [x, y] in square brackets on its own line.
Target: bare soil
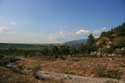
[83, 66]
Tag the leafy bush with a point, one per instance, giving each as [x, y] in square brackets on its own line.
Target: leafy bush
[37, 68]
[100, 70]
[110, 74]
[113, 74]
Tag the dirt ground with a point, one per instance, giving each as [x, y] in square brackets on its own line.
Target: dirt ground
[83, 66]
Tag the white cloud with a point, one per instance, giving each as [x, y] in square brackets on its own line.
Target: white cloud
[68, 36]
[4, 29]
[80, 34]
[13, 23]
[6, 25]
[34, 37]
[24, 37]
[9, 34]
[82, 31]
[61, 33]
[7, 21]
[98, 32]
[63, 36]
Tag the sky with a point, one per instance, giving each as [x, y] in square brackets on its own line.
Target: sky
[57, 21]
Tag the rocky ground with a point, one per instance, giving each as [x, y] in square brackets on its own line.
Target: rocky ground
[77, 79]
[73, 70]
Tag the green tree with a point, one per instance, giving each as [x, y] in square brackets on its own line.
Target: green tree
[91, 40]
[120, 30]
[55, 50]
[91, 44]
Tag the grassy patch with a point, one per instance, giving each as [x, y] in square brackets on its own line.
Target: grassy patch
[110, 74]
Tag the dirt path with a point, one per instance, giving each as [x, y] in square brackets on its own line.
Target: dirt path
[76, 79]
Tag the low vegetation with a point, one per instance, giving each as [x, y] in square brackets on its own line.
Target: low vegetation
[110, 74]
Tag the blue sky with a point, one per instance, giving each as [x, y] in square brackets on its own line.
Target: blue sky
[52, 21]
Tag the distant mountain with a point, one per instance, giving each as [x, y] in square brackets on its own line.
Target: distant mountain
[75, 42]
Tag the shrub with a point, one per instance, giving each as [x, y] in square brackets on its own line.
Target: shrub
[100, 70]
[37, 68]
[113, 74]
[110, 74]
[111, 81]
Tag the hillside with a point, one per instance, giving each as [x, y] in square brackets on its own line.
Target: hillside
[115, 38]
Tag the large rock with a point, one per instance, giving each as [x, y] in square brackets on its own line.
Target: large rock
[38, 75]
